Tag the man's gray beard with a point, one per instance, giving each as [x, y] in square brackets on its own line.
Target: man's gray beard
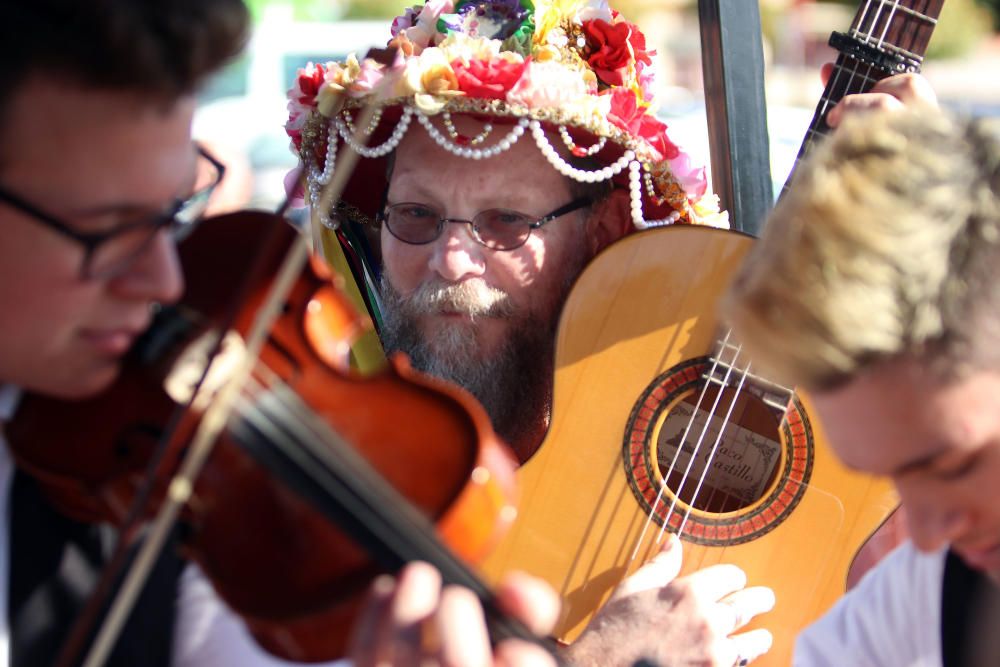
[514, 384]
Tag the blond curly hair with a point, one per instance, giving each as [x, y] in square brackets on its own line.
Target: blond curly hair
[887, 245]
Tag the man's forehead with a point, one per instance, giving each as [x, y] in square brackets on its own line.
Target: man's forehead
[901, 414]
[96, 146]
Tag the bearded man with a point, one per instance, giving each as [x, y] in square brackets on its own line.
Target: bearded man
[537, 149]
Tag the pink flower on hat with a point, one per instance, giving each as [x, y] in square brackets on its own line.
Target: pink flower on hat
[368, 79]
[689, 175]
[424, 31]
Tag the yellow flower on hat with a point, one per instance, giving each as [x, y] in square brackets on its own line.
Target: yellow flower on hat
[332, 94]
[550, 13]
[430, 79]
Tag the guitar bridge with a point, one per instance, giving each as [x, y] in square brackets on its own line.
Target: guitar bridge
[887, 61]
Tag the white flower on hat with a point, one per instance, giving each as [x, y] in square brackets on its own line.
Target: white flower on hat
[595, 9]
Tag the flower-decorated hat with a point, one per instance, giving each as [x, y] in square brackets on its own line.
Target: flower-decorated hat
[548, 71]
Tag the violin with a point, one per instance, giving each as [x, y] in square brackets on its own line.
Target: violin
[320, 479]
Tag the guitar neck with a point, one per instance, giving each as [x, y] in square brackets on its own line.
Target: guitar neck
[887, 37]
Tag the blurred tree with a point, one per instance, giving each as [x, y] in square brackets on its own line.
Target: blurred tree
[302, 10]
[376, 9]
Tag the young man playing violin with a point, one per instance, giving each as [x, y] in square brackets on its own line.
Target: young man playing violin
[537, 149]
[876, 288]
[97, 172]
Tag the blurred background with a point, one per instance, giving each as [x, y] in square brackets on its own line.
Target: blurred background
[242, 112]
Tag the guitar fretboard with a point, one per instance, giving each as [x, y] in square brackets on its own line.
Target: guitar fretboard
[887, 37]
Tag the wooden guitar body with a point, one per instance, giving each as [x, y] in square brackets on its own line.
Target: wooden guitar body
[637, 339]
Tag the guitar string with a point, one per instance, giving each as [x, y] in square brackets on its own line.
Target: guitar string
[709, 502]
[726, 420]
[736, 394]
[715, 447]
[673, 463]
[731, 366]
[676, 495]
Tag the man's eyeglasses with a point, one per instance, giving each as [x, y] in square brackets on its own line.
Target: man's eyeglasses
[497, 228]
[109, 253]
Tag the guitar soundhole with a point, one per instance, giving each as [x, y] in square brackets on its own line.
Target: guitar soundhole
[713, 472]
[758, 474]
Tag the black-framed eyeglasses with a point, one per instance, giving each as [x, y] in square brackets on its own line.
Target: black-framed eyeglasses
[497, 228]
[109, 253]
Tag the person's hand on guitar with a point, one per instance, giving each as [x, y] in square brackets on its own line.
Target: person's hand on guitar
[894, 92]
[657, 618]
[411, 621]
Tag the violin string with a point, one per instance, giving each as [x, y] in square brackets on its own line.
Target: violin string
[673, 463]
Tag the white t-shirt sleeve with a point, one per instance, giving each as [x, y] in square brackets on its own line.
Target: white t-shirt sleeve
[892, 618]
[208, 634]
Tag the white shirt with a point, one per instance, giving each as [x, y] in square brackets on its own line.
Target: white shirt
[892, 618]
[206, 634]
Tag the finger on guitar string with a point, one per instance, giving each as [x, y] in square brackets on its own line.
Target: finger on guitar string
[661, 569]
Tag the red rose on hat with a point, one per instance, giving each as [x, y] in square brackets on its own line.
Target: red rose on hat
[487, 79]
[612, 48]
[629, 115]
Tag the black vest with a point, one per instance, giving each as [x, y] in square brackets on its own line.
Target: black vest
[970, 617]
[54, 564]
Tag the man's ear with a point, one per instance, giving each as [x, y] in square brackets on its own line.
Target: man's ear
[609, 220]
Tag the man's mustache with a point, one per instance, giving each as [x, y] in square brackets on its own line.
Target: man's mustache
[470, 297]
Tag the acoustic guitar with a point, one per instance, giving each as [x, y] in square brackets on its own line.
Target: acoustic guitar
[660, 423]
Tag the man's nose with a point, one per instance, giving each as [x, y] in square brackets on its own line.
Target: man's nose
[457, 255]
[156, 273]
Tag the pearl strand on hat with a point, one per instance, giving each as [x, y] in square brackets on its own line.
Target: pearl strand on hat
[635, 195]
[473, 153]
[449, 125]
[376, 119]
[330, 163]
[376, 151]
[578, 150]
[566, 169]
[316, 179]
